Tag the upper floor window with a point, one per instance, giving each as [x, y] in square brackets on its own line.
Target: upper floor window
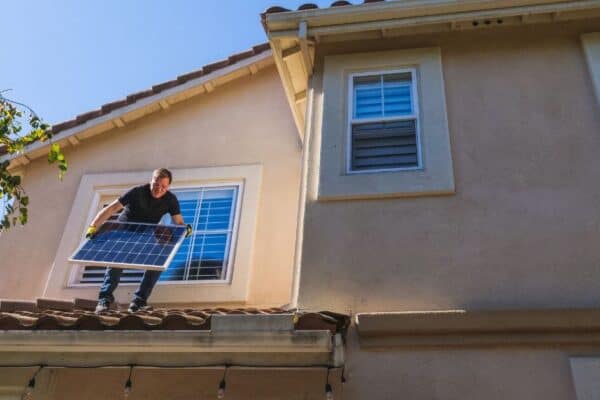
[204, 255]
[383, 123]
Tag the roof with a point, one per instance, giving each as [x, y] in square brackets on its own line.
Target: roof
[310, 6]
[78, 314]
[155, 89]
[158, 88]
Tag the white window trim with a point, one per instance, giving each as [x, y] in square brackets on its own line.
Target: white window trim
[436, 177]
[91, 189]
[77, 270]
[351, 119]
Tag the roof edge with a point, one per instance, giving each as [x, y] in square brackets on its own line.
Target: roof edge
[114, 114]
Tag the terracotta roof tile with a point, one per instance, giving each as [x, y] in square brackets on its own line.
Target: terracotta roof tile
[50, 314]
[55, 305]
[311, 6]
[132, 98]
[13, 305]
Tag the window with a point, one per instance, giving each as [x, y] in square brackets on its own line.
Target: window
[219, 270]
[382, 126]
[205, 255]
[383, 123]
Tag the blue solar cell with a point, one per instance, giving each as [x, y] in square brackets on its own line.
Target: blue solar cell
[131, 245]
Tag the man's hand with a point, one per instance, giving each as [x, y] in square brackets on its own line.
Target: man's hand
[188, 230]
[91, 231]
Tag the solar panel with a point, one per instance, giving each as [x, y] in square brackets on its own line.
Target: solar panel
[131, 245]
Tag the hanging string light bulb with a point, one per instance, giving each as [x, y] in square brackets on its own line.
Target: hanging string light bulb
[127, 389]
[328, 388]
[221, 391]
[28, 393]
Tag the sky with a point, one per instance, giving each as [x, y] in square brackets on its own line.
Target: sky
[66, 57]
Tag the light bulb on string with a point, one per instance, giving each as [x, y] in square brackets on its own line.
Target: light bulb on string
[221, 391]
[128, 385]
[328, 392]
[127, 390]
[28, 394]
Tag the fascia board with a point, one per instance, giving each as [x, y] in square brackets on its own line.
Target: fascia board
[145, 102]
[166, 342]
[455, 17]
[288, 21]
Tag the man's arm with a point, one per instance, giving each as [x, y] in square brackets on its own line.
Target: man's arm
[177, 219]
[106, 212]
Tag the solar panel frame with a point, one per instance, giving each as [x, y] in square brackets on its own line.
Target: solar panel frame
[180, 229]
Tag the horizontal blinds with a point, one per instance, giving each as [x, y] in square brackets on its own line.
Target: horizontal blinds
[386, 95]
[384, 145]
[202, 256]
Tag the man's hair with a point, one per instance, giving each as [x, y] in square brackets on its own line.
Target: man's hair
[162, 173]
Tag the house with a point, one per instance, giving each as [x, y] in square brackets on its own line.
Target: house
[426, 168]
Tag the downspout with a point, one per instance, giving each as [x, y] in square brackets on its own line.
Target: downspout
[302, 198]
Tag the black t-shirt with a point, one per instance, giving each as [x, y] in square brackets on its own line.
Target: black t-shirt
[140, 206]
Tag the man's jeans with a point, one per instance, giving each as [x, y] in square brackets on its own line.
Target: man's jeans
[111, 281]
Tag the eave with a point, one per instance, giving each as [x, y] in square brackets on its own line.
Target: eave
[249, 340]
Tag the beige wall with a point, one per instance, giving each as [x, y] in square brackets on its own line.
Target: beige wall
[245, 122]
[522, 228]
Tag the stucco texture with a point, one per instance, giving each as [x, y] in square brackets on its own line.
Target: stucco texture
[244, 122]
[522, 228]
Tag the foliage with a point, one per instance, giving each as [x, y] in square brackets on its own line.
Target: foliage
[13, 199]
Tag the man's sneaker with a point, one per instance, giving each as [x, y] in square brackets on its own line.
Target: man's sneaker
[133, 307]
[102, 306]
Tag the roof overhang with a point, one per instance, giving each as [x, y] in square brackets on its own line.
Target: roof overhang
[457, 328]
[293, 35]
[122, 116]
[250, 340]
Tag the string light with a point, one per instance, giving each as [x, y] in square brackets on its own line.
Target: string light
[221, 391]
[127, 389]
[328, 388]
[28, 393]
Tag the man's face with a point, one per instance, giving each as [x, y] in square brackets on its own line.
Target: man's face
[159, 186]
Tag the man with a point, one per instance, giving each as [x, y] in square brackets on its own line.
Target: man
[146, 203]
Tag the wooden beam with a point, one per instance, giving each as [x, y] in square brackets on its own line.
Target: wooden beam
[298, 97]
[290, 51]
[209, 87]
[73, 140]
[164, 104]
[253, 69]
[119, 123]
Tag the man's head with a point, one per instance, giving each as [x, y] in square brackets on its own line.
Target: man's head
[161, 180]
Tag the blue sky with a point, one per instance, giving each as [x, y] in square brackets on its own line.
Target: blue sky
[66, 57]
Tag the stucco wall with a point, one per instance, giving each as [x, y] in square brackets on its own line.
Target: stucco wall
[245, 122]
[522, 228]
[521, 231]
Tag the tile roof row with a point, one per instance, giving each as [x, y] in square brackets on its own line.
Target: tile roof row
[311, 6]
[48, 314]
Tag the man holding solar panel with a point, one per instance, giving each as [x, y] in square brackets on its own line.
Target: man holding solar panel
[141, 204]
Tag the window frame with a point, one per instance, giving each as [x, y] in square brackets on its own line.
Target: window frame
[351, 120]
[78, 269]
